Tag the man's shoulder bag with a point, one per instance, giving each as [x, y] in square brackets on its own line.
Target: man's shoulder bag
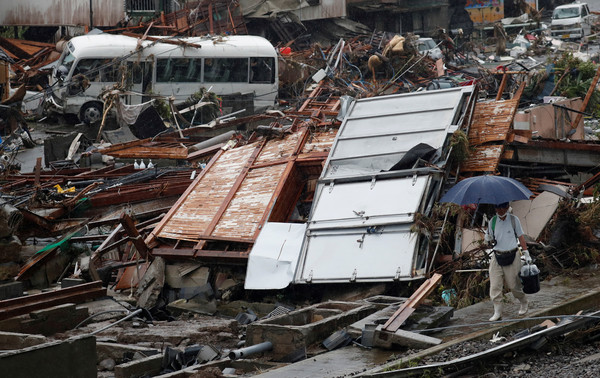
[504, 258]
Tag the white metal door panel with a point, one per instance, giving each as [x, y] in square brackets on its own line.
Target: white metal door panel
[364, 203]
[406, 123]
[345, 257]
[388, 144]
[414, 102]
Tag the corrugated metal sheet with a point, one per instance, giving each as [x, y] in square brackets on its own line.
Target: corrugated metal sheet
[492, 121]
[483, 159]
[61, 12]
[359, 228]
[236, 212]
[491, 124]
[327, 9]
[277, 149]
[301, 8]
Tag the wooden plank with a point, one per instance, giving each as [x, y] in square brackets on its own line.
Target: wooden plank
[172, 252]
[408, 307]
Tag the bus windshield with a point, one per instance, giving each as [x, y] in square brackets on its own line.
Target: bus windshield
[64, 65]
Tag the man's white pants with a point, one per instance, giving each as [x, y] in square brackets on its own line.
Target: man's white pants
[508, 274]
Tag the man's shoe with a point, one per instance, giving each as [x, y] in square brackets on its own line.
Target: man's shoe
[497, 313]
[524, 308]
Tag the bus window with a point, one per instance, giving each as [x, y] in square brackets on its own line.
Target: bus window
[134, 73]
[163, 70]
[192, 74]
[226, 70]
[261, 70]
[180, 68]
[183, 70]
[89, 68]
[109, 71]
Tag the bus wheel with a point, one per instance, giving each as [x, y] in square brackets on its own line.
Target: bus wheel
[91, 112]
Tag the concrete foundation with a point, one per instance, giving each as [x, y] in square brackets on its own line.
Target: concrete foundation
[73, 358]
[299, 329]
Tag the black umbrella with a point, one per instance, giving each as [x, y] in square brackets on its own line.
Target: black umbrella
[486, 189]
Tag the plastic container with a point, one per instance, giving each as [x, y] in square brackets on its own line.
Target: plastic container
[530, 278]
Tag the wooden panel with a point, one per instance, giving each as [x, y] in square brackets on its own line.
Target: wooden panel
[203, 202]
[492, 120]
[242, 217]
[277, 148]
[483, 159]
[288, 197]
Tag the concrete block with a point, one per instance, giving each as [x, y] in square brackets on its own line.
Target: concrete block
[72, 358]
[149, 366]
[12, 341]
[11, 290]
[186, 275]
[302, 328]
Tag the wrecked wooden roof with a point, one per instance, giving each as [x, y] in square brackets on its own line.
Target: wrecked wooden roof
[242, 188]
[487, 135]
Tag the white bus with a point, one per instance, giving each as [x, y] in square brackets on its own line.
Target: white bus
[226, 65]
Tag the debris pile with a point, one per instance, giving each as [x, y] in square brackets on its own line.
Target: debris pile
[232, 236]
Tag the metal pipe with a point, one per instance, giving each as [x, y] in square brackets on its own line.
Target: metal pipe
[245, 352]
[222, 138]
[118, 321]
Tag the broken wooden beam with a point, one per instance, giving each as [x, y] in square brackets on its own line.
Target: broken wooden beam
[134, 235]
[408, 307]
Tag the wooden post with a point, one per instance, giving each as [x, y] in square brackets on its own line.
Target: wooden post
[587, 99]
[134, 235]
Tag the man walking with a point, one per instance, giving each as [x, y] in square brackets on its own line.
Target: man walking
[505, 233]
